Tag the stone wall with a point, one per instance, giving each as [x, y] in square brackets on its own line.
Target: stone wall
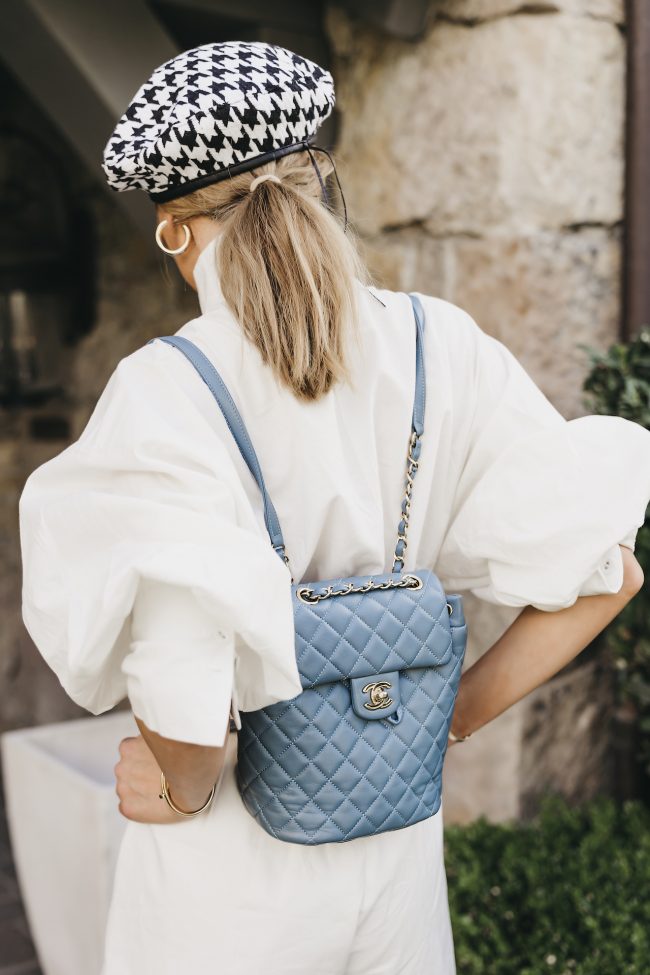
[484, 164]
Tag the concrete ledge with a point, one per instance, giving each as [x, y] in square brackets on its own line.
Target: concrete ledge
[65, 831]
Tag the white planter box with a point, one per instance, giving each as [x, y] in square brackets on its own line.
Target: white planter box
[65, 831]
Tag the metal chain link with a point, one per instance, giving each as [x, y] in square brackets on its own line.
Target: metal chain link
[307, 595]
[411, 468]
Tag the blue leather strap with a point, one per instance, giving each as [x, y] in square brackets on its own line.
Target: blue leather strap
[236, 426]
[238, 429]
[420, 383]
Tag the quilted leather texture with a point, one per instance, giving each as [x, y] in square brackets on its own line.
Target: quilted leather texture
[311, 770]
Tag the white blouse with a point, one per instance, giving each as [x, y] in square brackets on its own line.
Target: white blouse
[147, 569]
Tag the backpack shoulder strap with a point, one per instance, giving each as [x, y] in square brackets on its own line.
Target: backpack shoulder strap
[420, 378]
[417, 429]
[237, 427]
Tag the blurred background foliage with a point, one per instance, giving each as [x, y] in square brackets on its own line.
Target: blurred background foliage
[566, 893]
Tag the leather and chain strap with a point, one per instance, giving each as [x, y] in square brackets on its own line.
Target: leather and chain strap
[417, 429]
[402, 530]
[238, 429]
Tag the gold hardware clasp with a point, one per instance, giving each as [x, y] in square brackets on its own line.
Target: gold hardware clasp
[378, 694]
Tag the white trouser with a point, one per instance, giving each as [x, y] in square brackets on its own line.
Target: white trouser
[216, 895]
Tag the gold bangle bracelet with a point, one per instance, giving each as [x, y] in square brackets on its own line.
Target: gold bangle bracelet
[164, 794]
[457, 738]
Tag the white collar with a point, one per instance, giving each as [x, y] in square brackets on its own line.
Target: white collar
[206, 278]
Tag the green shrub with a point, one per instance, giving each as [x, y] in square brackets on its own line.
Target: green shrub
[618, 384]
[568, 893]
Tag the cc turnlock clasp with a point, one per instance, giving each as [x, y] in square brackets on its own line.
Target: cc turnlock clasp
[378, 695]
[375, 697]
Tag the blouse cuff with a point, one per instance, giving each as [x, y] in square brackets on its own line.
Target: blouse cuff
[607, 577]
[182, 692]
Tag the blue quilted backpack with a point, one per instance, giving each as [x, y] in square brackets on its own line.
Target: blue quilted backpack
[361, 749]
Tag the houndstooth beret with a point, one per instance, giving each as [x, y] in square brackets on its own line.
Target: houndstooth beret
[215, 111]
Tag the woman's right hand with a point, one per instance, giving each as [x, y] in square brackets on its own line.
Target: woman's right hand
[137, 783]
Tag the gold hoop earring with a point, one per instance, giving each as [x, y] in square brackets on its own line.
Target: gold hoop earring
[168, 250]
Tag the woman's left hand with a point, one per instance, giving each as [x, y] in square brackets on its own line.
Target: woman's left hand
[137, 783]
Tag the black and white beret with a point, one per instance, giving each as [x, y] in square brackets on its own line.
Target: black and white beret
[215, 111]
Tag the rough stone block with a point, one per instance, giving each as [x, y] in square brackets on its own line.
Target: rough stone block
[486, 9]
[409, 259]
[566, 745]
[507, 127]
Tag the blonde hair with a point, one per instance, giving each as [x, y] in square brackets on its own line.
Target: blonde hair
[287, 270]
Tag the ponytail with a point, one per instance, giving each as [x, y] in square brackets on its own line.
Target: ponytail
[287, 270]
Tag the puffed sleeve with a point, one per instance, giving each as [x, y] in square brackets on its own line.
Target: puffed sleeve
[140, 552]
[542, 503]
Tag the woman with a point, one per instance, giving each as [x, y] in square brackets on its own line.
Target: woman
[147, 569]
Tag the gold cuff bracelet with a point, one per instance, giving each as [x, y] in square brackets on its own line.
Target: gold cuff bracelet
[164, 794]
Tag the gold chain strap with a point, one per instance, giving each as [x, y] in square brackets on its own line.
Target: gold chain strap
[411, 468]
[307, 595]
